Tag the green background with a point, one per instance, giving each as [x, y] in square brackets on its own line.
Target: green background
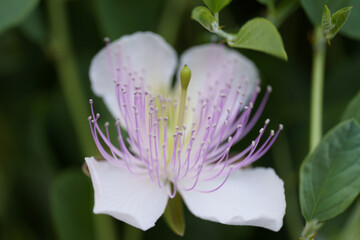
[44, 134]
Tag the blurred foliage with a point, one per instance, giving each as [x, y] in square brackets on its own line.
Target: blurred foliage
[38, 138]
[13, 12]
[70, 199]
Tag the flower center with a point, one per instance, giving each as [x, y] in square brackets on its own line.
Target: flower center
[170, 141]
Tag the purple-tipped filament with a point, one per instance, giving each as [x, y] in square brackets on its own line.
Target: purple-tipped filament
[198, 149]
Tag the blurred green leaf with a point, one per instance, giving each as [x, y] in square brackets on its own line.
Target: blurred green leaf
[116, 18]
[13, 12]
[353, 109]
[330, 175]
[34, 28]
[332, 24]
[203, 16]
[339, 18]
[216, 5]
[261, 35]
[351, 228]
[326, 25]
[174, 215]
[314, 11]
[71, 205]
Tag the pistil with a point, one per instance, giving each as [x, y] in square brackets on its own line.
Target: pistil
[185, 75]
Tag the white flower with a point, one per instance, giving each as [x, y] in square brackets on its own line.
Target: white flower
[179, 144]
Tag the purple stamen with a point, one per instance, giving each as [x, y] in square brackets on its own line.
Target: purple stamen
[219, 118]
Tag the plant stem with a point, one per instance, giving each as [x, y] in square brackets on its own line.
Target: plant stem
[277, 15]
[170, 20]
[70, 82]
[216, 16]
[65, 64]
[104, 227]
[131, 233]
[228, 36]
[285, 169]
[317, 82]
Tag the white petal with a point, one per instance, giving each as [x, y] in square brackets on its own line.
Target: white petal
[145, 53]
[249, 197]
[136, 201]
[212, 68]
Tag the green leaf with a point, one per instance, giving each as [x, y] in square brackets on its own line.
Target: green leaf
[174, 215]
[314, 11]
[326, 25]
[216, 5]
[261, 35]
[33, 27]
[330, 175]
[351, 228]
[339, 18]
[203, 16]
[13, 12]
[353, 109]
[71, 205]
[332, 24]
